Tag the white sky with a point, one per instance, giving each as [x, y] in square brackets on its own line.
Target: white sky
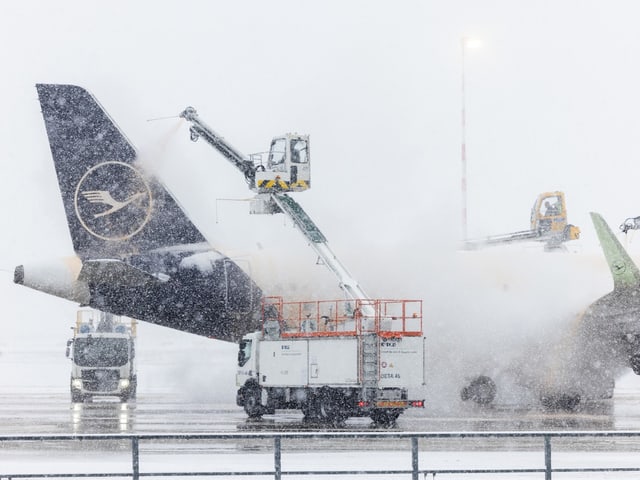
[551, 101]
[551, 104]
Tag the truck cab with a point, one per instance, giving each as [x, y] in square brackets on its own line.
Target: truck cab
[102, 354]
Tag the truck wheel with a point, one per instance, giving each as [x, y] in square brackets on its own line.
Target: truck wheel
[252, 404]
[385, 418]
[76, 397]
[635, 364]
[331, 406]
[133, 390]
[309, 410]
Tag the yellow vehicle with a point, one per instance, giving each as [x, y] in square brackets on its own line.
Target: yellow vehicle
[549, 217]
[548, 224]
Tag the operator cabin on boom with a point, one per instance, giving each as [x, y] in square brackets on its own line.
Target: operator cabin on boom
[286, 168]
[332, 359]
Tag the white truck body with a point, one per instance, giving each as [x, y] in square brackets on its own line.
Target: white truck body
[304, 362]
[324, 372]
[102, 353]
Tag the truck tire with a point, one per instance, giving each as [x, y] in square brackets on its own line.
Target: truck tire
[385, 417]
[252, 402]
[240, 397]
[634, 361]
[309, 410]
[128, 395]
[133, 389]
[331, 406]
[76, 397]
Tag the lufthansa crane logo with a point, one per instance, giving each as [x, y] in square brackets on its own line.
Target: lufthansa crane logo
[618, 267]
[113, 201]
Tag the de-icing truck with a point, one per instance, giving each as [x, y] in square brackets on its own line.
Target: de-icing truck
[331, 359]
[102, 353]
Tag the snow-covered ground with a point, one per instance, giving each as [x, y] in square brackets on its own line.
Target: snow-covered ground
[220, 457]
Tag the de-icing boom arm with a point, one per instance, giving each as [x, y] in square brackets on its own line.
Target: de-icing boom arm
[200, 129]
[285, 204]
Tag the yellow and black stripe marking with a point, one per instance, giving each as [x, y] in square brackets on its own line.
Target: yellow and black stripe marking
[282, 185]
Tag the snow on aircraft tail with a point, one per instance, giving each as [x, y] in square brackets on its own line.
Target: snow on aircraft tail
[112, 207]
[138, 254]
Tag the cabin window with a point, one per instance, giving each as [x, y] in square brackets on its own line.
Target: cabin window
[299, 151]
[277, 155]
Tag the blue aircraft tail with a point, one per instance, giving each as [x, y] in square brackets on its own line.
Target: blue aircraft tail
[113, 208]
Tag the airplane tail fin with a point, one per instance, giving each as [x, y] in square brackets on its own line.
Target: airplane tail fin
[113, 208]
[624, 271]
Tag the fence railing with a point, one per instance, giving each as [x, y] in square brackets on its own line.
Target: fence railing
[316, 442]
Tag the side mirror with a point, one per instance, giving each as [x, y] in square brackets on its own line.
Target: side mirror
[241, 355]
[68, 351]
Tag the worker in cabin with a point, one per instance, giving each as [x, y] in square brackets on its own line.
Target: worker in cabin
[551, 209]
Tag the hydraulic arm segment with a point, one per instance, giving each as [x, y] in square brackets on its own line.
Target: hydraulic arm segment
[200, 129]
[288, 161]
[318, 242]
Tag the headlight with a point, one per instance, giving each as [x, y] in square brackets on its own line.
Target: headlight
[76, 383]
[123, 383]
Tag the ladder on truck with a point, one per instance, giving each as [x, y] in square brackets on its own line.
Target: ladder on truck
[370, 365]
[271, 198]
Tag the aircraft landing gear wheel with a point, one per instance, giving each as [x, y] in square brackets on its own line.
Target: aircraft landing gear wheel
[482, 390]
[252, 405]
[133, 391]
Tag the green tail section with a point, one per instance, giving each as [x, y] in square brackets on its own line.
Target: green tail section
[625, 272]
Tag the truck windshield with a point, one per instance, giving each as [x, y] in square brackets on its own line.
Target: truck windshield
[100, 352]
[244, 353]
